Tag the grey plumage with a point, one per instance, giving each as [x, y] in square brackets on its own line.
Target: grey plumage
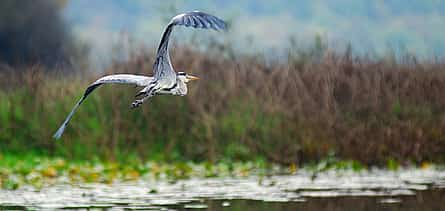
[163, 71]
[165, 80]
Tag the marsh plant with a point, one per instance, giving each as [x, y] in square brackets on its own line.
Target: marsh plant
[294, 110]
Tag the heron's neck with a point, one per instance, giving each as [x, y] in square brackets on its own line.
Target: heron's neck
[181, 87]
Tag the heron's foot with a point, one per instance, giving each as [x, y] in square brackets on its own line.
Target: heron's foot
[136, 103]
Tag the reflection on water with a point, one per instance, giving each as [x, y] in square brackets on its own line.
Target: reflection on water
[422, 200]
[408, 189]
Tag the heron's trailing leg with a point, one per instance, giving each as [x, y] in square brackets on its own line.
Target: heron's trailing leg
[139, 102]
[136, 103]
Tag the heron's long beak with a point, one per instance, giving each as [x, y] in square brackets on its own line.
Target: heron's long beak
[192, 78]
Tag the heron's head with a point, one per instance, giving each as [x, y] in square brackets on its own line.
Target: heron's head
[184, 77]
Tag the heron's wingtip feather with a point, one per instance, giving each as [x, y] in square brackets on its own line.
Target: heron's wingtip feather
[59, 132]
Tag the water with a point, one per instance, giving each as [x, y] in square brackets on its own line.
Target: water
[407, 189]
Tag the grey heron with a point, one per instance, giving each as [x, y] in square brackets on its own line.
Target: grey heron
[165, 79]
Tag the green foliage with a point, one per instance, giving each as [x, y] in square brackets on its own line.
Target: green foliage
[392, 164]
[38, 171]
[244, 110]
[331, 162]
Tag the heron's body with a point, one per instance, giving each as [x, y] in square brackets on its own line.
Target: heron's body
[165, 80]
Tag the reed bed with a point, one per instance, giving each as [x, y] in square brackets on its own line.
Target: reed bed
[245, 107]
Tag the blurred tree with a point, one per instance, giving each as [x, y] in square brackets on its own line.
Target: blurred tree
[34, 32]
[61, 3]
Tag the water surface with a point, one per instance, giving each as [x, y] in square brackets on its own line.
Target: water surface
[406, 189]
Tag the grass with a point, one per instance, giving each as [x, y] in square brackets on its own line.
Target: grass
[244, 108]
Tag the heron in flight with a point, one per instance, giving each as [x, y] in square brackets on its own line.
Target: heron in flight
[165, 79]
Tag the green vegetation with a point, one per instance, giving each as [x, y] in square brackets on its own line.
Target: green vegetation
[373, 112]
[39, 171]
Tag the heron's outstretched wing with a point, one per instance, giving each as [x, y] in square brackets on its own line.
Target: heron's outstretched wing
[138, 80]
[162, 67]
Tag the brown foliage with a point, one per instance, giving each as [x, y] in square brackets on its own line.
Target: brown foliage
[369, 110]
[290, 112]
